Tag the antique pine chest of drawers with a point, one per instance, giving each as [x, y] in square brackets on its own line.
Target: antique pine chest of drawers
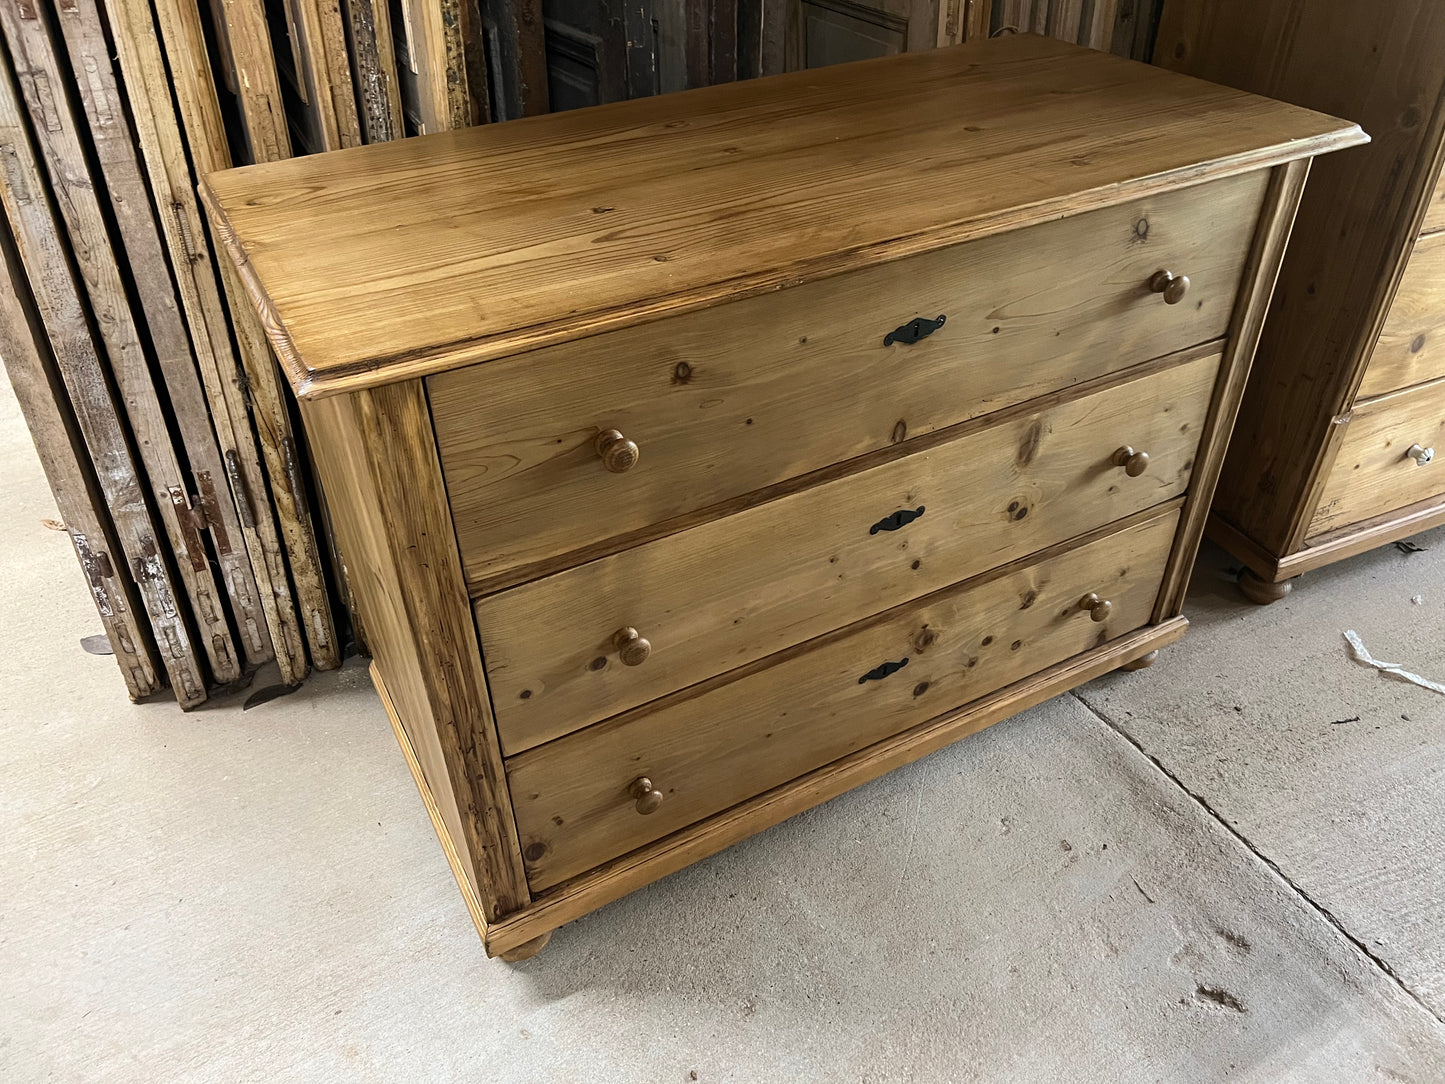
[697, 458]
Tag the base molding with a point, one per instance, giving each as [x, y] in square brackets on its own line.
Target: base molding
[589, 891]
[1326, 549]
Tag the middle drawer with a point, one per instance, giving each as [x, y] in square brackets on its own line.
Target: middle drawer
[722, 594]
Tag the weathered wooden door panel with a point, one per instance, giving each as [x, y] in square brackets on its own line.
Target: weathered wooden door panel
[599, 52]
[606, 51]
[823, 32]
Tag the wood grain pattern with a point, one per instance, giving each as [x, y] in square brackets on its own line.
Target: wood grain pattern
[63, 457]
[163, 149]
[57, 297]
[43, 82]
[205, 506]
[436, 56]
[263, 113]
[732, 591]
[328, 73]
[200, 112]
[1354, 538]
[1272, 234]
[614, 879]
[441, 823]
[404, 238]
[1372, 474]
[1377, 64]
[576, 897]
[378, 463]
[716, 745]
[1411, 347]
[739, 397]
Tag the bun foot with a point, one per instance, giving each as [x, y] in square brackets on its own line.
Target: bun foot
[1143, 662]
[527, 949]
[1262, 592]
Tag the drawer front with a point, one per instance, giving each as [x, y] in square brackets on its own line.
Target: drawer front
[1411, 348]
[1373, 472]
[709, 748]
[736, 398]
[727, 592]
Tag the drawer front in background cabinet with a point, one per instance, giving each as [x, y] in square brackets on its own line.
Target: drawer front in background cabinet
[1411, 348]
[1375, 471]
[709, 748]
[703, 601]
[734, 398]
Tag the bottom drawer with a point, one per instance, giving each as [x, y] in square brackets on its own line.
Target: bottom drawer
[721, 742]
[1374, 472]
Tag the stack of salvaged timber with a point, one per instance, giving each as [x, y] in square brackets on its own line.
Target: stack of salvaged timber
[146, 380]
[153, 403]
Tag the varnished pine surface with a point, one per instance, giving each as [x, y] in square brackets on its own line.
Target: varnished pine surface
[728, 592]
[740, 397]
[413, 257]
[714, 745]
[1372, 474]
[591, 890]
[1411, 348]
[1375, 63]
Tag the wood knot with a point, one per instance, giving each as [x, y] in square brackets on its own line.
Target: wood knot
[1029, 445]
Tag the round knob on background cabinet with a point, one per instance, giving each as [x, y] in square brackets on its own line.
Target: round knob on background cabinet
[1134, 463]
[647, 796]
[1172, 286]
[1099, 608]
[632, 649]
[618, 454]
[1420, 454]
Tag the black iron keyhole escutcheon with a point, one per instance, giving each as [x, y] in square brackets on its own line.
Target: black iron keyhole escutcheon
[901, 518]
[878, 673]
[918, 328]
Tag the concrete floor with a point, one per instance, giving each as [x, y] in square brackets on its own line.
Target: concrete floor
[1193, 873]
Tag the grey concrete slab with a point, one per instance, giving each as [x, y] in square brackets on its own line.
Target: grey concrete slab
[236, 896]
[1332, 770]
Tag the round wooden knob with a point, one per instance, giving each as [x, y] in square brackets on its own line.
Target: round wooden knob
[1099, 608]
[1420, 454]
[648, 797]
[618, 454]
[1172, 286]
[631, 647]
[1134, 463]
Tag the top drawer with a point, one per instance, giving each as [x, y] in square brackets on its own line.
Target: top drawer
[735, 398]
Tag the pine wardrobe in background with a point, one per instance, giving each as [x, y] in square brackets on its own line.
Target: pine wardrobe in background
[1335, 451]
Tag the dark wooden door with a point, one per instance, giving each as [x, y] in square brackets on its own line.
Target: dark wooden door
[588, 52]
[607, 50]
[822, 32]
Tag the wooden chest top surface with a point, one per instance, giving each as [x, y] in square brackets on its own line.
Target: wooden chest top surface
[403, 259]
